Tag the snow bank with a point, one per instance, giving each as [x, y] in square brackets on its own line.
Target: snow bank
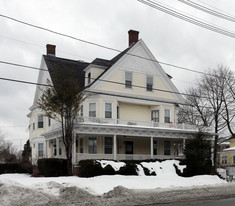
[166, 178]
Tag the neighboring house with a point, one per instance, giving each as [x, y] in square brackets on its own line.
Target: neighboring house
[227, 156]
[127, 115]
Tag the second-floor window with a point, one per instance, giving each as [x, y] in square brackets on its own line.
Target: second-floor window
[149, 83]
[40, 121]
[167, 116]
[49, 122]
[108, 110]
[81, 110]
[128, 79]
[155, 115]
[92, 109]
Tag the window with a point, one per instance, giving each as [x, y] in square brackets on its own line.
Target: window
[167, 116]
[40, 149]
[89, 78]
[54, 148]
[128, 79]
[81, 145]
[92, 145]
[167, 147]
[81, 110]
[49, 122]
[92, 109]
[33, 126]
[60, 147]
[40, 121]
[233, 159]
[154, 147]
[155, 115]
[149, 83]
[224, 160]
[108, 110]
[108, 145]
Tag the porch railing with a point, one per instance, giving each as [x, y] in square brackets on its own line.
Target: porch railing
[83, 156]
[133, 123]
[95, 120]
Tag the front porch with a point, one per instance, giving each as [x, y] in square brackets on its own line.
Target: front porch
[97, 138]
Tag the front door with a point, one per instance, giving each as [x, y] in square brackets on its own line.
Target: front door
[129, 147]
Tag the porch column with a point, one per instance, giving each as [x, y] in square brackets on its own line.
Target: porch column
[74, 150]
[151, 149]
[57, 146]
[115, 147]
[48, 149]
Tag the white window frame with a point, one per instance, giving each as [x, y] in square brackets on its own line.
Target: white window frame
[40, 150]
[130, 86]
[151, 76]
[89, 108]
[111, 110]
[165, 115]
[40, 115]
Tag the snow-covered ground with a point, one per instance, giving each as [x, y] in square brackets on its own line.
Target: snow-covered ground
[166, 178]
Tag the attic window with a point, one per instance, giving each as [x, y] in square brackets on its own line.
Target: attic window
[128, 79]
[89, 78]
[149, 83]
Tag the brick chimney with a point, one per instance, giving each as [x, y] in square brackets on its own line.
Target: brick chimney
[51, 49]
[133, 36]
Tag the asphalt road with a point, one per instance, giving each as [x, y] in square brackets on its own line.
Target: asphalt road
[224, 202]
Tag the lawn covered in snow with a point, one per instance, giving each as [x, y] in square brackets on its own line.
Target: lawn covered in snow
[166, 178]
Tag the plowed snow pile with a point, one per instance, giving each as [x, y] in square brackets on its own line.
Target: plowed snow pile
[18, 189]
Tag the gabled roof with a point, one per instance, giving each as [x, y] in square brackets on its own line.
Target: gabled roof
[76, 67]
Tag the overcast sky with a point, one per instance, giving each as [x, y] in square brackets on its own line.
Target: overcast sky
[105, 22]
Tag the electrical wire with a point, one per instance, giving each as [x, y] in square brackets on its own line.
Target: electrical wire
[108, 81]
[102, 46]
[101, 93]
[208, 10]
[172, 12]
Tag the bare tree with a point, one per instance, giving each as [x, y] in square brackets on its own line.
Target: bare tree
[62, 102]
[208, 100]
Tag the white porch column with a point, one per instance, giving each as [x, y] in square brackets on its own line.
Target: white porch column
[48, 149]
[151, 149]
[115, 147]
[57, 146]
[74, 150]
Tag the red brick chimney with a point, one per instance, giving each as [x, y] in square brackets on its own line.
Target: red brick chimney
[51, 49]
[133, 36]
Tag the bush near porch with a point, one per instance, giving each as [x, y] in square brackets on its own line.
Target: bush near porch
[91, 168]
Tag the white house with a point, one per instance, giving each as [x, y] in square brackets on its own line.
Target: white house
[130, 112]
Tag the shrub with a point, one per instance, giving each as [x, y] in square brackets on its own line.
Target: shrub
[13, 168]
[129, 169]
[108, 170]
[52, 167]
[89, 168]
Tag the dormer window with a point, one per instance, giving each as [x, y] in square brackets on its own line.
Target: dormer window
[89, 78]
[149, 83]
[128, 79]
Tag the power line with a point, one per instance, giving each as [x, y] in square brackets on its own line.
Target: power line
[108, 81]
[208, 10]
[101, 93]
[172, 12]
[99, 45]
